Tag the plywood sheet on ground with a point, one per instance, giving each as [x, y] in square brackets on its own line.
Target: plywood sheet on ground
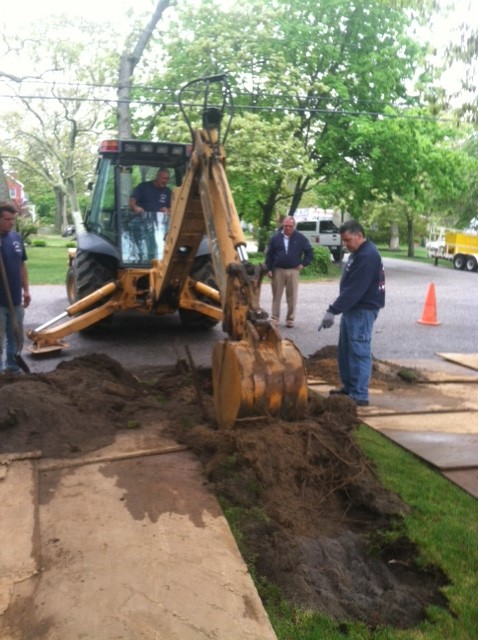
[443, 450]
[135, 548]
[469, 360]
[416, 398]
[435, 368]
[464, 422]
[18, 561]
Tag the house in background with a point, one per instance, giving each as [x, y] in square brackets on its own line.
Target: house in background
[16, 190]
[18, 196]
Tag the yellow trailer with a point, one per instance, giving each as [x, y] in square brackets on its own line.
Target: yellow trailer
[458, 246]
[462, 249]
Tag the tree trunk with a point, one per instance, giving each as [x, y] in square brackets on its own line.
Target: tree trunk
[410, 233]
[267, 212]
[4, 192]
[124, 92]
[394, 237]
[299, 190]
[128, 62]
[72, 195]
[60, 215]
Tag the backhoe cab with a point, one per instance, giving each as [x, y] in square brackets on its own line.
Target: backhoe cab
[194, 261]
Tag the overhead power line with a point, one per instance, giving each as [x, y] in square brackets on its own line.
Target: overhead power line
[268, 108]
[236, 93]
[173, 92]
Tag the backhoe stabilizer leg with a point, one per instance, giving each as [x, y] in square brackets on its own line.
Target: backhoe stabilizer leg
[48, 338]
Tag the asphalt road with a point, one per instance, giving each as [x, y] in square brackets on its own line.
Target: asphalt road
[136, 340]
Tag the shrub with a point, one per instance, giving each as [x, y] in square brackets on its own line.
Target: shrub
[26, 227]
[36, 242]
[320, 263]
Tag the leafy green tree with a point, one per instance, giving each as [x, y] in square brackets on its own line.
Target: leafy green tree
[415, 167]
[305, 70]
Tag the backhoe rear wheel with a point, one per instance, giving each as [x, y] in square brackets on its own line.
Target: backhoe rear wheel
[202, 271]
[91, 272]
[70, 285]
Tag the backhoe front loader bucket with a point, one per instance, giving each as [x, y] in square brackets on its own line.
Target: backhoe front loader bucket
[259, 376]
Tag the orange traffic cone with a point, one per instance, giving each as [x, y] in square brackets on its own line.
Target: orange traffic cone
[429, 315]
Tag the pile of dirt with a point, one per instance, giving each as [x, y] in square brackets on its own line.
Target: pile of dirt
[77, 408]
[309, 504]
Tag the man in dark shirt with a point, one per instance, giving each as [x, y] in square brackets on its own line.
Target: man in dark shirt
[153, 195]
[151, 204]
[361, 296]
[289, 251]
[13, 258]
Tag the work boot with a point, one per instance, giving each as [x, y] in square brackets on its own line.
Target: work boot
[338, 392]
[360, 403]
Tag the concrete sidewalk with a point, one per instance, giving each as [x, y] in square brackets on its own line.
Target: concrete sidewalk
[125, 543]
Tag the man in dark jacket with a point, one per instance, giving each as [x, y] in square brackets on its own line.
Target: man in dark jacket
[289, 251]
[362, 295]
[13, 257]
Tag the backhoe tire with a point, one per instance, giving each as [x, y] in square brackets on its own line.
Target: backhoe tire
[202, 271]
[70, 285]
[91, 272]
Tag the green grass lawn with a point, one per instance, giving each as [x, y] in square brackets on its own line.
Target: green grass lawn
[421, 255]
[443, 523]
[48, 264]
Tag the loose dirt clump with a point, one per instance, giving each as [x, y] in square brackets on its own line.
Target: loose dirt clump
[311, 510]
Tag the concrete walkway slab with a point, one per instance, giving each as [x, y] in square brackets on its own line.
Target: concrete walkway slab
[133, 548]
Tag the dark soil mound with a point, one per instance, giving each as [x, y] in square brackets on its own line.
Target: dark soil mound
[309, 504]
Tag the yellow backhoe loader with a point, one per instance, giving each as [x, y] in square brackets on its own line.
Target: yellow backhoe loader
[193, 261]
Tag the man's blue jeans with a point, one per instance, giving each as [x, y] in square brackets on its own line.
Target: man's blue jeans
[7, 338]
[355, 351]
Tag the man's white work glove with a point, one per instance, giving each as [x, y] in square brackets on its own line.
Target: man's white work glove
[327, 320]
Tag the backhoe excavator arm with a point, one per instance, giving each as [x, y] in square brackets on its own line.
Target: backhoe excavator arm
[255, 372]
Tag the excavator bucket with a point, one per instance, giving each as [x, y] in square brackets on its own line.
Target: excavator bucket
[259, 376]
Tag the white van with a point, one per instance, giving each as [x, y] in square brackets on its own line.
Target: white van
[323, 232]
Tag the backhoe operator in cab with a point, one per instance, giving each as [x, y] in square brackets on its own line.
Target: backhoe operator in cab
[152, 195]
[149, 199]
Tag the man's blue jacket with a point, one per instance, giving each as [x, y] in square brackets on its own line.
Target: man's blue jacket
[362, 285]
[299, 251]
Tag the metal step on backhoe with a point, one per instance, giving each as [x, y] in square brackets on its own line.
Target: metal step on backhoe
[193, 261]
